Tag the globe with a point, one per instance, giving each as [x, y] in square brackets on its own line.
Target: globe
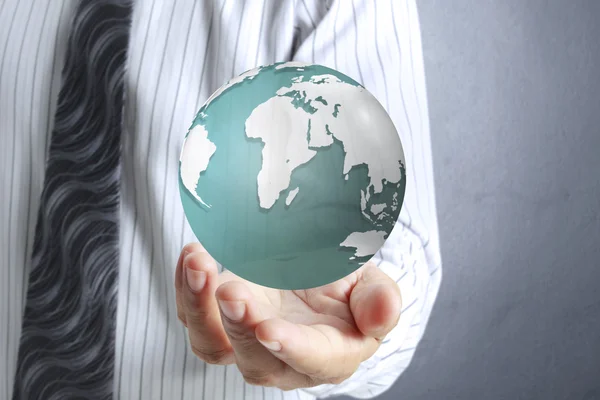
[292, 175]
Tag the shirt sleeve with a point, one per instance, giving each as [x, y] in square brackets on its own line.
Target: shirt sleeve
[378, 43]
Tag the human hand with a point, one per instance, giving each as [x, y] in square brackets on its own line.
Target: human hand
[284, 338]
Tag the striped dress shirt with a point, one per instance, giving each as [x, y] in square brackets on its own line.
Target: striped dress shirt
[180, 52]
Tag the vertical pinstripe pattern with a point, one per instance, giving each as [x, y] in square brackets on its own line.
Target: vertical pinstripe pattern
[10, 180]
[180, 52]
[69, 321]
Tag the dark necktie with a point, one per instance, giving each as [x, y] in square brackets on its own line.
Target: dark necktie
[67, 343]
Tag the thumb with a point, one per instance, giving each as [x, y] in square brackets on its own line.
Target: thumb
[375, 302]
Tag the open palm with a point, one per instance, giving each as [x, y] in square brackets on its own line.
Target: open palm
[284, 338]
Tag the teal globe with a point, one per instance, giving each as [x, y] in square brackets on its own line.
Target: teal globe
[292, 175]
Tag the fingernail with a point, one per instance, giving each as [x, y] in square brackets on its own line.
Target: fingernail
[195, 279]
[273, 346]
[234, 310]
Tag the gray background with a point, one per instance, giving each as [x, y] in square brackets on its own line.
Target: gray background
[514, 89]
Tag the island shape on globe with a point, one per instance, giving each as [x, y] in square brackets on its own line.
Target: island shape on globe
[292, 175]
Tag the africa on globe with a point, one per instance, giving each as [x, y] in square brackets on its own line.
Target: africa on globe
[292, 175]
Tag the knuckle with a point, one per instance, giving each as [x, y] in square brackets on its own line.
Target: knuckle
[336, 380]
[211, 356]
[258, 378]
[196, 313]
[320, 369]
[181, 316]
[245, 337]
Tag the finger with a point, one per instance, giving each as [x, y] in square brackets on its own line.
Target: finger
[207, 336]
[241, 313]
[324, 353]
[375, 302]
[179, 282]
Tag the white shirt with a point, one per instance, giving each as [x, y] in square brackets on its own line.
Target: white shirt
[180, 52]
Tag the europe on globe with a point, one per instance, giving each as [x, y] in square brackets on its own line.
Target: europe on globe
[292, 175]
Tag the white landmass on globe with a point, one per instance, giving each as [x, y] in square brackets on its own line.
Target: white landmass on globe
[277, 123]
[283, 129]
[291, 136]
[291, 196]
[292, 64]
[365, 243]
[195, 155]
[377, 208]
[197, 149]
